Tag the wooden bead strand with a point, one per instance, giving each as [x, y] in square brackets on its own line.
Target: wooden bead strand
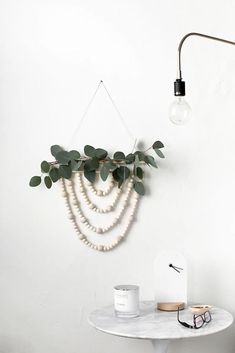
[94, 207]
[99, 192]
[81, 236]
[85, 221]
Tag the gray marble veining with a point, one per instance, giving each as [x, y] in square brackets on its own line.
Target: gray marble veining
[154, 324]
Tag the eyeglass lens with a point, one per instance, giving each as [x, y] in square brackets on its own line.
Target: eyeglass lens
[198, 321]
[207, 316]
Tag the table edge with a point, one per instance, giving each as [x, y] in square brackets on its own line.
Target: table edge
[162, 338]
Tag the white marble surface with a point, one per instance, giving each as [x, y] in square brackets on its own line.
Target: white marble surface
[154, 325]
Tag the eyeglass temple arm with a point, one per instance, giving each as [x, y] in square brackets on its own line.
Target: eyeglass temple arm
[182, 322]
[179, 71]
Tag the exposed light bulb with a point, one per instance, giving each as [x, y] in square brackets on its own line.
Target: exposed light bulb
[180, 111]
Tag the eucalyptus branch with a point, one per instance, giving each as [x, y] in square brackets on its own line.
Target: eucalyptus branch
[97, 160]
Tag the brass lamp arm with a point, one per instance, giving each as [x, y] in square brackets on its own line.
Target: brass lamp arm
[179, 72]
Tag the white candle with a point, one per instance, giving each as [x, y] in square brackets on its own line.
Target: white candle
[126, 300]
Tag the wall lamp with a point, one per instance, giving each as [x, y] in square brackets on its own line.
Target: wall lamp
[180, 110]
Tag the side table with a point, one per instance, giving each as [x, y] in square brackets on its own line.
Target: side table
[158, 326]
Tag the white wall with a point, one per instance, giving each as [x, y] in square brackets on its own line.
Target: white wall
[53, 53]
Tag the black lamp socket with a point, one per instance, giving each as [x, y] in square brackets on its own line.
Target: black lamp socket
[179, 87]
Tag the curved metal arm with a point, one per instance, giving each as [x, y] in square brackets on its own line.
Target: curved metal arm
[179, 73]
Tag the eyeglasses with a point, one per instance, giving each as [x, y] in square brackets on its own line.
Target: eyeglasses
[198, 320]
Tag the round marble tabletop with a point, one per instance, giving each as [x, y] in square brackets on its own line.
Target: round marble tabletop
[157, 325]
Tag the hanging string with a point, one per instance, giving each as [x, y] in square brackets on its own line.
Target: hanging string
[122, 120]
[84, 114]
[118, 113]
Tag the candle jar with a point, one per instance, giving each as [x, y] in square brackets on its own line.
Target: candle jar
[126, 301]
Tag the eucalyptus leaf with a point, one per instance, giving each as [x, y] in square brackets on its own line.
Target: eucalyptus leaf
[65, 171]
[139, 172]
[100, 153]
[115, 174]
[158, 144]
[75, 165]
[119, 155]
[112, 166]
[159, 153]
[89, 151]
[63, 157]
[130, 158]
[123, 172]
[54, 174]
[140, 154]
[35, 181]
[104, 171]
[90, 175]
[150, 160]
[139, 187]
[48, 182]
[45, 167]
[120, 182]
[55, 149]
[91, 164]
[74, 155]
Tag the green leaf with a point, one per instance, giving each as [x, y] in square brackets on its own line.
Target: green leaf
[89, 151]
[159, 153]
[54, 174]
[104, 171]
[35, 181]
[48, 182]
[65, 171]
[120, 182]
[150, 160]
[112, 166]
[90, 175]
[63, 157]
[140, 154]
[139, 172]
[91, 164]
[123, 172]
[139, 187]
[74, 155]
[158, 144]
[119, 156]
[55, 149]
[100, 153]
[75, 165]
[118, 176]
[115, 174]
[130, 158]
[45, 167]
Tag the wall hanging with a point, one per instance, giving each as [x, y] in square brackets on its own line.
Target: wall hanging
[180, 110]
[80, 175]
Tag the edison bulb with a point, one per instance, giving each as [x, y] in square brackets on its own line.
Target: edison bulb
[180, 111]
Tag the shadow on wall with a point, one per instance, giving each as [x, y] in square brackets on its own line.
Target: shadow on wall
[15, 344]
